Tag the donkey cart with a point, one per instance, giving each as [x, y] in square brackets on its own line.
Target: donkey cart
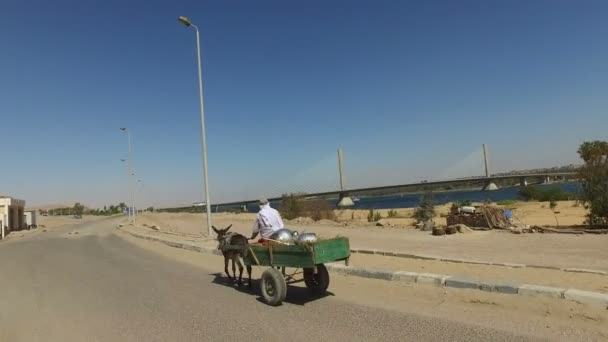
[310, 258]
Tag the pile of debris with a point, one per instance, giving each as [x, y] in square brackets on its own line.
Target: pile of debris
[440, 230]
[453, 229]
[484, 216]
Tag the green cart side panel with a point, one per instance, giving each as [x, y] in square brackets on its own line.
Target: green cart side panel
[301, 256]
[331, 250]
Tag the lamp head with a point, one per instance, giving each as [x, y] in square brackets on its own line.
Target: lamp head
[184, 21]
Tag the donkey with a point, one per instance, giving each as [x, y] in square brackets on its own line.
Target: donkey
[233, 239]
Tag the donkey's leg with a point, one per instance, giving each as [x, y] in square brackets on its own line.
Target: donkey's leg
[249, 275]
[238, 262]
[234, 266]
[226, 266]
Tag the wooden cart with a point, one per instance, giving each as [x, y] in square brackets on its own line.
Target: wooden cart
[310, 258]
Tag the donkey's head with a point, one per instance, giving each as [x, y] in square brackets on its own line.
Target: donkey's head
[221, 233]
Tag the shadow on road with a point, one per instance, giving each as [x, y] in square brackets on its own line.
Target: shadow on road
[296, 295]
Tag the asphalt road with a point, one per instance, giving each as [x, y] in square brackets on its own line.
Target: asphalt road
[95, 286]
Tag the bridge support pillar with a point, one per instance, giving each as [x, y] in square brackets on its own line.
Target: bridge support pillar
[345, 200]
[523, 182]
[546, 179]
[489, 186]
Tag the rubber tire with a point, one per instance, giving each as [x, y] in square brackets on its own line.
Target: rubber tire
[273, 286]
[317, 283]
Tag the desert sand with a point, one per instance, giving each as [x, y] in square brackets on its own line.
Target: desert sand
[553, 250]
[51, 222]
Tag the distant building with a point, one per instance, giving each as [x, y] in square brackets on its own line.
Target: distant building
[11, 214]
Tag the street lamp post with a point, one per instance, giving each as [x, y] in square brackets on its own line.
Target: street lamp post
[188, 23]
[128, 185]
[139, 183]
[132, 208]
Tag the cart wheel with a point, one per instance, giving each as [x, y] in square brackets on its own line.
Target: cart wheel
[317, 282]
[274, 287]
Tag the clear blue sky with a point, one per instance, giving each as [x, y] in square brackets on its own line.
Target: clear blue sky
[410, 89]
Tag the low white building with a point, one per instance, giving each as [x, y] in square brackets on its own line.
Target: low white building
[11, 214]
[30, 219]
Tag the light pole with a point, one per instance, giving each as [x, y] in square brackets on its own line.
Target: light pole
[188, 23]
[131, 212]
[136, 189]
[128, 185]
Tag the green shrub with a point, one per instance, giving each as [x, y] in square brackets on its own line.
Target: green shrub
[594, 175]
[370, 215]
[544, 195]
[291, 206]
[294, 205]
[78, 210]
[528, 193]
[373, 216]
[319, 209]
[465, 203]
[426, 208]
[552, 206]
[377, 216]
[506, 202]
[392, 213]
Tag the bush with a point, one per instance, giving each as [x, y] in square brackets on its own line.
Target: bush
[426, 208]
[319, 209]
[528, 193]
[594, 175]
[294, 205]
[544, 195]
[552, 205]
[373, 216]
[291, 206]
[377, 216]
[506, 202]
[465, 203]
[392, 213]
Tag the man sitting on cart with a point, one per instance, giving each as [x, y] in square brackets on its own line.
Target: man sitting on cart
[267, 222]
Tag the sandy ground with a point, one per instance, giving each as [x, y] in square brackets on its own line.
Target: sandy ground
[57, 221]
[551, 319]
[46, 223]
[555, 250]
[532, 213]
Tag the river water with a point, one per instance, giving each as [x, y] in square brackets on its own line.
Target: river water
[412, 200]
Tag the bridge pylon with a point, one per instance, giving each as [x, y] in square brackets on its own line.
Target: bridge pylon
[344, 199]
[488, 185]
